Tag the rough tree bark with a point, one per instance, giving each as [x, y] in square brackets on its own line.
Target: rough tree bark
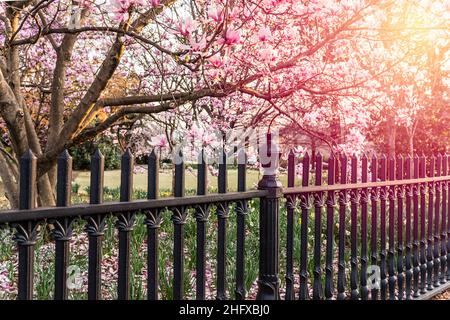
[391, 132]
[61, 134]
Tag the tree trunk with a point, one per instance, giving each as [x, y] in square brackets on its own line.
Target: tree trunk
[46, 197]
[391, 131]
[313, 154]
[411, 144]
[9, 182]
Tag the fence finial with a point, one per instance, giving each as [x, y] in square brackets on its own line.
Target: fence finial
[126, 176]
[96, 185]
[291, 169]
[268, 280]
[269, 156]
[64, 179]
[153, 176]
[27, 196]
[331, 169]
[202, 174]
[222, 178]
[319, 165]
[305, 171]
[179, 175]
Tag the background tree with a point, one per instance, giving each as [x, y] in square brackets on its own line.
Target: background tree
[72, 70]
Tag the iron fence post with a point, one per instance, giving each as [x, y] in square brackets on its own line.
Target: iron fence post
[26, 232]
[268, 281]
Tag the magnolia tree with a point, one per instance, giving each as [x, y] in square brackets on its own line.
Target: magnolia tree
[72, 70]
[414, 39]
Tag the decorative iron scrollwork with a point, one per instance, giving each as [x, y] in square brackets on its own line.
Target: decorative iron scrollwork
[343, 198]
[26, 233]
[62, 228]
[319, 199]
[125, 221]
[223, 210]
[291, 202]
[409, 190]
[242, 207]
[268, 290]
[384, 194]
[95, 225]
[431, 185]
[364, 196]
[179, 215]
[374, 193]
[153, 218]
[305, 201]
[202, 212]
[400, 191]
[354, 196]
[391, 192]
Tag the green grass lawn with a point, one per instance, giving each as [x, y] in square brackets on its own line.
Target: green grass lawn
[112, 179]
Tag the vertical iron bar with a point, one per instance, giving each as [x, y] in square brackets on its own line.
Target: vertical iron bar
[97, 177]
[430, 226]
[241, 209]
[318, 204]
[423, 261]
[448, 222]
[408, 197]
[400, 196]
[222, 216]
[437, 213]
[329, 287]
[353, 231]
[374, 196]
[95, 227]
[290, 230]
[126, 176]
[416, 262]
[341, 281]
[383, 197]
[201, 215]
[152, 221]
[391, 250]
[336, 166]
[62, 231]
[125, 225]
[364, 204]
[178, 220]
[304, 203]
[269, 228]
[153, 176]
[444, 221]
[26, 233]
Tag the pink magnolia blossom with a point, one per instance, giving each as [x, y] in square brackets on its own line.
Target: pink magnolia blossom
[155, 3]
[267, 55]
[233, 14]
[214, 172]
[159, 142]
[264, 34]
[208, 139]
[186, 27]
[232, 37]
[216, 61]
[215, 14]
[197, 46]
[121, 8]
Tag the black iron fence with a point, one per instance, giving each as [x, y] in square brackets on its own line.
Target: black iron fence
[405, 243]
[379, 231]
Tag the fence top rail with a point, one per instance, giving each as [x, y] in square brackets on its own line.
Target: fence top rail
[11, 216]
[372, 185]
